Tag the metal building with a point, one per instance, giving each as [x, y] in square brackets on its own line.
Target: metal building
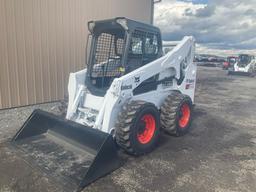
[42, 41]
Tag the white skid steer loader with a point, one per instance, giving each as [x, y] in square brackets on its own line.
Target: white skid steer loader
[127, 93]
[245, 65]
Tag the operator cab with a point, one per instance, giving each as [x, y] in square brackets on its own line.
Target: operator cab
[244, 60]
[119, 46]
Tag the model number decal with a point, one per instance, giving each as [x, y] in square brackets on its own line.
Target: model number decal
[124, 87]
[190, 83]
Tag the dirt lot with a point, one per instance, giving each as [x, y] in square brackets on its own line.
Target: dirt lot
[219, 153]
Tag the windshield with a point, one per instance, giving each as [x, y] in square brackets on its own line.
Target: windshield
[244, 60]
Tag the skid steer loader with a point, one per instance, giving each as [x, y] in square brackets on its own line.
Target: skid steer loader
[245, 65]
[127, 93]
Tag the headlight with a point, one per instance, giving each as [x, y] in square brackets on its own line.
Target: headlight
[91, 26]
[122, 22]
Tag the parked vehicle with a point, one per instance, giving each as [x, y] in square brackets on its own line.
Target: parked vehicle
[230, 62]
[245, 65]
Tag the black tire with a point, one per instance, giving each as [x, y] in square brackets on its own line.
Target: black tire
[130, 123]
[171, 114]
[253, 73]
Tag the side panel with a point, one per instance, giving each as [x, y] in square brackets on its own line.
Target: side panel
[189, 83]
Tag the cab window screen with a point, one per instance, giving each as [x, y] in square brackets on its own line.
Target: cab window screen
[151, 44]
[106, 63]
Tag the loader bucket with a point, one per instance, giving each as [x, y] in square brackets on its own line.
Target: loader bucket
[71, 153]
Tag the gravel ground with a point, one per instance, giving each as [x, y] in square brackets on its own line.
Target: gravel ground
[218, 155]
[12, 119]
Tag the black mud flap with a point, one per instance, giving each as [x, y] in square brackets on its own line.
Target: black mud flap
[73, 154]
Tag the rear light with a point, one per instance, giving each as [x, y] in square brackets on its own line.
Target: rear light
[122, 22]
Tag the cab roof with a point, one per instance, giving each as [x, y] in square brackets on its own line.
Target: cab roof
[114, 24]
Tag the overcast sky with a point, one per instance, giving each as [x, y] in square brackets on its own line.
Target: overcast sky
[221, 26]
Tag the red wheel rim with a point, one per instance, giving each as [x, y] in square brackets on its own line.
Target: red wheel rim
[149, 129]
[184, 115]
